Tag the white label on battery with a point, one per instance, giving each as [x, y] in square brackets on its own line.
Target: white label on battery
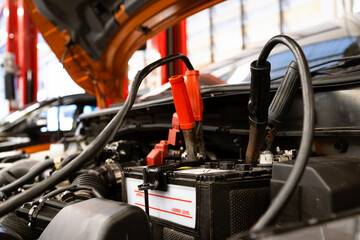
[198, 171]
[177, 204]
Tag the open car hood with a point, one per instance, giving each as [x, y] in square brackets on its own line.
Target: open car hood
[95, 38]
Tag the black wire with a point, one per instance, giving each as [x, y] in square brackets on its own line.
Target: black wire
[96, 145]
[307, 132]
[58, 190]
[33, 172]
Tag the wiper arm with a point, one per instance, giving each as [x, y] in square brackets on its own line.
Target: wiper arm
[351, 58]
[347, 62]
[352, 62]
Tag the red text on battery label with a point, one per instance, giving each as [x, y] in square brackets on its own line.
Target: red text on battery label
[162, 210]
[178, 210]
[141, 194]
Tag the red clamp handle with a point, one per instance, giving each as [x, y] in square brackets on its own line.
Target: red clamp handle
[182, 103]
[193, 89]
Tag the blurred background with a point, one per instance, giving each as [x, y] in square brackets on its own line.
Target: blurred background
[215, 34]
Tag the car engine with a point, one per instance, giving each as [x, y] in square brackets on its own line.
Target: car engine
[211, 164]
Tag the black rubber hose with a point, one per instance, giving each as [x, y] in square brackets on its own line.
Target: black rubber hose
[67, 160]
[58, 191]
[99, 142]
[32, 173]
[73, 188]
[307, 132]
[95, 182]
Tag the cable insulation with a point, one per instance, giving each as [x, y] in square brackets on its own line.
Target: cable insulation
[33, 172]
[287, 190]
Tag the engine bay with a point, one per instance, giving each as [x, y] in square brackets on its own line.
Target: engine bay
[208, 163]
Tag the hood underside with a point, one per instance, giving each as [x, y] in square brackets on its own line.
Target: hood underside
[94, 39]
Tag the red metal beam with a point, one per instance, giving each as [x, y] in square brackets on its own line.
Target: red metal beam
[10, 15]
[125, 88]
[161, 43]
[177, 43]
[27, 57]
[182, 42]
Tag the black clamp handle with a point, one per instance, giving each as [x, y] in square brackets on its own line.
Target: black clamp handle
[284, 96]
[259, 94]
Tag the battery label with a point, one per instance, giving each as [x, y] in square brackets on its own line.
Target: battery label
[199, 171]
[177, 204]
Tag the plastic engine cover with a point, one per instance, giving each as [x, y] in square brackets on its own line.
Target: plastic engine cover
[330, 185]
[98, 219]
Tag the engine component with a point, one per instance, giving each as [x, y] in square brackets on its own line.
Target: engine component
[28, 177]
[111, 173]
[84, 186]
[258, 109]
[157, 155]
[174, 137]
[12, 156]
[185, 114]
[15, 228]
[323, 190]
[121, 151]
[15, 171]
[39, 214]
[93, 182]
[283, 99]
[285, 155]
[98, 219]
[266, 157]
[198, 202]
[340, 226]
[193, 89]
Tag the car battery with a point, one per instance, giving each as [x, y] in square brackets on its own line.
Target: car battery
[200, 202]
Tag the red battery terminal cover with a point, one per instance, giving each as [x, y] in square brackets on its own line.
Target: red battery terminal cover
[154, 157]
[181, 102]
[163, 147]
[175, 122]
[193, 89]
[157, 155]
[174, 137]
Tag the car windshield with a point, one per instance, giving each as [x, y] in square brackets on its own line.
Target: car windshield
[315, 53]
[15, 116]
